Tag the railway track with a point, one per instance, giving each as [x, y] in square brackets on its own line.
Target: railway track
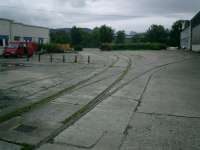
[47, 99]
[88, 107]
[45, 77]
[111, 89]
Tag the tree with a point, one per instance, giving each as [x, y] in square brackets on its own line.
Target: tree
[60, 37]
[76, 36]
[157, 33]
[95, 37]
[106, 34]
[120, 37]
[175, 33]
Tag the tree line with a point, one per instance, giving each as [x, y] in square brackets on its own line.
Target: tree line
[105, 34]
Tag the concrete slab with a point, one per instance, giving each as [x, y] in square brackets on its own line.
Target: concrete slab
[106, 126]
[134, 89]
[8, 146]
[44, 120]
[58, 147]
[174, 91]
[106, 120]
[151, 132]
[51, 113]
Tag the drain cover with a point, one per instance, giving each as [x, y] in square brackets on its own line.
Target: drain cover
[25, 128]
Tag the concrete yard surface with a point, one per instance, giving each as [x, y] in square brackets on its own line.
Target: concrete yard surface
[126, 100]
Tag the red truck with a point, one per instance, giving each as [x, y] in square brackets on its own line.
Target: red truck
[20, 49]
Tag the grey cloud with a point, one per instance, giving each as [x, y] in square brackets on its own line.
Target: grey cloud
[118, 13]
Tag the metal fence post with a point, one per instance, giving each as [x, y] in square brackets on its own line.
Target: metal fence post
[51, 58]
[75, 59]
[27, 58]
[63, 58]
[88, 59]
[39, 57]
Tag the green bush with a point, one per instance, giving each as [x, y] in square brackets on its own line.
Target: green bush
[106, 47]
[78, 48]
[134, 46]
[49, 48]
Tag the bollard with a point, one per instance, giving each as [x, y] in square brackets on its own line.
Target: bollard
[39, 57]
[63, 58]
[51, 58]
[88, 59]
[75, 59]
[27, 58]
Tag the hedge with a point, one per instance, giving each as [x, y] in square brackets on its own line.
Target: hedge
[134, 46]
[49, 48]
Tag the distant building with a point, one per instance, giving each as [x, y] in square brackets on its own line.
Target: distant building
[195, 32]
[130, 35]
[13, 31]
[185, 38]
[190, 36]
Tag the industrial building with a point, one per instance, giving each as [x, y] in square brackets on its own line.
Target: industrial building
[13, 31]
[190, 35]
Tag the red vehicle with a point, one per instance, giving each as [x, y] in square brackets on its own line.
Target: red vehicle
[20, 49]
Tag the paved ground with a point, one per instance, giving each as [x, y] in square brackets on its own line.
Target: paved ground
[144, 100]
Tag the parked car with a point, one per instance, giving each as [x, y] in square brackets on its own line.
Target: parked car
[20, 49]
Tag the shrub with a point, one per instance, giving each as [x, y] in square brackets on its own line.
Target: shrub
[78, 48]
[49, 48]
[106, 47]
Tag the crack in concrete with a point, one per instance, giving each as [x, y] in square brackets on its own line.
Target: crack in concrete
[88, 107]
[128, 98]
[129, 127]
[144, 90]
[169, 115]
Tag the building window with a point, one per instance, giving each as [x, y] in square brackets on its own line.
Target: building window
[40, 40]
[16, 38]
[27, 39]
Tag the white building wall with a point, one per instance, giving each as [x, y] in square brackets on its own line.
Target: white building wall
[4, 31]
[196, 38]
[4, 27]
[185, 38]
[30, 31]
[10, 29]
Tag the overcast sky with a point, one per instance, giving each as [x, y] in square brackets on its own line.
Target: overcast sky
[136, 15]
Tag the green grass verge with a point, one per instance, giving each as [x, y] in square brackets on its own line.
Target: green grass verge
[133, 46]
[27, 147]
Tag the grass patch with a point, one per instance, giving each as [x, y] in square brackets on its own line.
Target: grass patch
[27, 147]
